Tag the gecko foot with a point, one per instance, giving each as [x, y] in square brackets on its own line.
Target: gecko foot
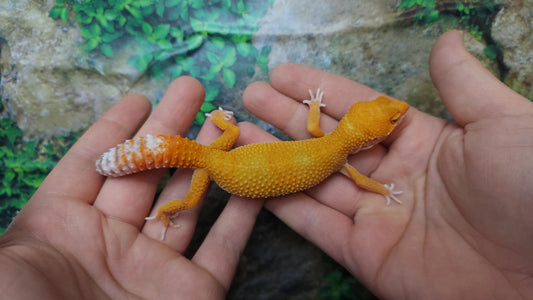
[317, 97]
[392, 194]
[165, 227]
[227, 114]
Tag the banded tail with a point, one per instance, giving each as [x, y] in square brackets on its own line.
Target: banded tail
[151, 152]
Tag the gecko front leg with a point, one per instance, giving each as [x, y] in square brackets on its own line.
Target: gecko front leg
[313, 120]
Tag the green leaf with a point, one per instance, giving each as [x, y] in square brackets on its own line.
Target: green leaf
[218, 42]
[177, 71]
[212, 73]
[9, 175]
[174, 13]
[197, 25]
[109, 37]
[229, 77]
[165, 44]
[200, 118]
[171, 3]
[93, 31]
[111, 14]
[10, 132]
[244, 48]
[160, 9]
[432, 16]
[194, 42]
[230, 56]
[207, 107]
[213, 58]
[86, 33]
[91, 44]
[142, 62]
[211, 92]
[147, 28]
[491, 51]
[136, 13]
[144, 3]
[29, 150]
[177, 34]
[161, 31]
[197, 4]
[122, 20]
[59, 12]
[241, 8]
[107, 50]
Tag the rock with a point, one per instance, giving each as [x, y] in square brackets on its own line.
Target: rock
[362, 41]
[49, 85]
[512, 29]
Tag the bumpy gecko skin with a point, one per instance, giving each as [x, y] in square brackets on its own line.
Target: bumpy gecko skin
[267, 169]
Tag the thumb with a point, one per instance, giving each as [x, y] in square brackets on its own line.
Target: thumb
[469, 91]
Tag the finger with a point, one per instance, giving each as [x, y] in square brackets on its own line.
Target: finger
[77, 166]
[176, 188]
[285, 113]
[322, 225]
[129, 198]
[295, 80]
[280, 104]
[469, 91]
[225, 242]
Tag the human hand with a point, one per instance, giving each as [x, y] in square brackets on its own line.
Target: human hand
[464, 229]
[84, 236]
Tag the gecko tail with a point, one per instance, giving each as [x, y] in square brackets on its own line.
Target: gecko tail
[150, 152]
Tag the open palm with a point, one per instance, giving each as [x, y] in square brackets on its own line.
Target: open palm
[465, 225]
[83, 236]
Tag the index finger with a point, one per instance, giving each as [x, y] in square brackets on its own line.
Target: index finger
[295, 80]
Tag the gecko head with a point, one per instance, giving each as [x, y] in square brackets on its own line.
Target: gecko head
[371, 121]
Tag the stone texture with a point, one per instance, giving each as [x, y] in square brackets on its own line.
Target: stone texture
[49, 85]
[512, 29]
[363, 41]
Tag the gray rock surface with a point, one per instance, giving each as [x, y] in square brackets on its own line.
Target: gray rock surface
[512, 29]
[364, 41]
[49, 85]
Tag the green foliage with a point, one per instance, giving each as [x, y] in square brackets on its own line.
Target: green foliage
[337, 286]
[206, 39]
[474, 15]
[24, 166]
[491, 51]
[427, 12]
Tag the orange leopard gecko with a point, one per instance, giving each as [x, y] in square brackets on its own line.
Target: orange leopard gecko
[265, 169]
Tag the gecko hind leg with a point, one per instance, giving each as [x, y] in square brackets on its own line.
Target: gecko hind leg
[168, 211]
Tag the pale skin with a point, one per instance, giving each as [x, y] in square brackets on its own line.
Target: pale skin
[464, 228]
